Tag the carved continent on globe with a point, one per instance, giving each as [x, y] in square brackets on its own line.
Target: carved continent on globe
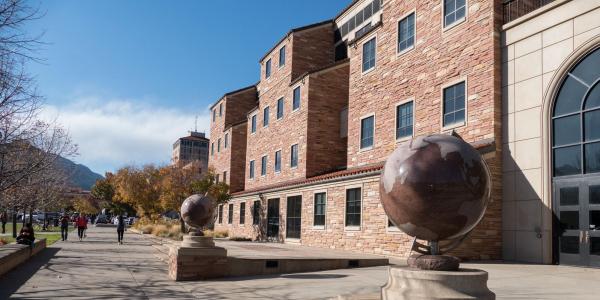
[197, 210]
[435, 187]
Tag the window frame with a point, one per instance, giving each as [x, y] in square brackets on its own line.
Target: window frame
[459, 124]
[251, 169]
[457, 21]
[253, 125]
[282, 64]
[360, 133]
[414, 45]
[280, 111]
[221, 109]
[362, 45]
[226, 140]
[242, 219]
[268, 69]
[266, 116]
[256, 212]
[275, 162]
[292, 155]
[214, 115]
[299, 88]
[264, 163]
[319, 227]
[353, 227]
[219, 145]
[224, 176]
[230, 209]
[402, 139]
[220, 214]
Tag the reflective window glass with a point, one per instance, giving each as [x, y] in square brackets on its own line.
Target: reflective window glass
[594, 195]
[569, 244]
[593, 98]
[570, 97]
[569, 220]
[591, 125]
[592, 158]
[567, 161]
[595, 246]
[594, 219]
[588, 70]
[567, 130]
[569, 196]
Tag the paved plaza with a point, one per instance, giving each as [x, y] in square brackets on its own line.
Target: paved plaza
[98, 268]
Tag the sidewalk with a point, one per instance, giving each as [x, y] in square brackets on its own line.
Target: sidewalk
[98, 268]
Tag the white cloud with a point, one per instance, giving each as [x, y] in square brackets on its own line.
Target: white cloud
[112, 133]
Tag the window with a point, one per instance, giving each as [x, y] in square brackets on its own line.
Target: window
[320, 199]
[454, 104]
[212, 148]
[344, 123]
[266, 117]
[220, 109]
[353, 198]
[368, 55]
[219, 145]
[404, 120]
[256, 213]
[296, 99]
[242, 213]
[294, 156]
[278, 161]
[263, 166]
[253, 124]
[282, 56]
[251, 171]
[217, 178]
[268, 69]
[454, 11]
[230, 214]
[279, 108]
[220, 214]
[366, 132]
[224, 176]
[406, 33]
[226, 140]
[214, 115]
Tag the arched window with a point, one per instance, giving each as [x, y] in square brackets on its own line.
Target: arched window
[576, 120]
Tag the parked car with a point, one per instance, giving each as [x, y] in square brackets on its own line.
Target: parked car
[131, 220]
[102, 219]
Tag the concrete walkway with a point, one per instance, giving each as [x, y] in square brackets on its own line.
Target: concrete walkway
[98, 268]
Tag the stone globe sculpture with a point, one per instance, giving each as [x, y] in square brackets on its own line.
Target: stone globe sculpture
[435, 188]
[196, 212]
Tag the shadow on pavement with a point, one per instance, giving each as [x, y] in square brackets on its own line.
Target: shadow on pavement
[13, 280]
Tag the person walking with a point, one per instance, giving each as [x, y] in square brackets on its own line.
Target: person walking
[64, 227]
[120, 229]
[4, 219]
[81, 226]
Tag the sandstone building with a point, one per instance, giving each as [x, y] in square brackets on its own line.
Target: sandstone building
[517, 79]
[191, 152]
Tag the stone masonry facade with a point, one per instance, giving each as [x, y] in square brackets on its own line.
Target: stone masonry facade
[336, 95]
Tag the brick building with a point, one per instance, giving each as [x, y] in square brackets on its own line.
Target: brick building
[337, 97]
[191, 152]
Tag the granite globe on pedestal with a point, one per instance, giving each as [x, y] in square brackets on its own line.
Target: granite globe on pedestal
[197, 211]
[435, 187]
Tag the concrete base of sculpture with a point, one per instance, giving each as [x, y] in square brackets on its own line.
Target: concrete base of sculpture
[408, 283]
[197, 258]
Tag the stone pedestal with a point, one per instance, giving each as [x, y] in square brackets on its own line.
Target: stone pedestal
[407, 283]
[197, 258]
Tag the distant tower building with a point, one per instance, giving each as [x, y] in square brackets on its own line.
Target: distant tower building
[191, 152]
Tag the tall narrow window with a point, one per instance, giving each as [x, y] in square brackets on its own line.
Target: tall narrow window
[454, 104]
[294, 156]
[266, 116]
[220, 109]
[220, 214]
[212, 148]
[217, 178]
[230, 214]
[242, 213]
[404, 120]
[268, 69]
[454, 11]
[256, 212]
[253, 124]
[219, 145]
[263, 166]
[296, 99]
[353, 207]
[282, 56]
[251, 171]
[224, 176]
[406, 33]
[278, 161]
[279, 108]
[214, 115]
[366, 132]
[226, 140]
[319, 218]
[368, 55]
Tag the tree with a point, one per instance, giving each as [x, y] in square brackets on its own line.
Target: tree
[139, 188]
[86, 205]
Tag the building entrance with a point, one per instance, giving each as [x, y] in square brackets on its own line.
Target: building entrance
[273, 220]
[293, 217]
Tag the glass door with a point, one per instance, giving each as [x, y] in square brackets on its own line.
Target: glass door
[273, 220]
[592, 234]
[293, 217]
[568, 209]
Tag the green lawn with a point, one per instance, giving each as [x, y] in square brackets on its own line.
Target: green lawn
[37, 228]
[50, 238]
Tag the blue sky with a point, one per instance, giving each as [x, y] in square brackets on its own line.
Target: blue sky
[128, 77]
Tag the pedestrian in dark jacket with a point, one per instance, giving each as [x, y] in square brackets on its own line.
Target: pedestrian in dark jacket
[4, 219]
[120, 229]
[26, 235]
[64, 227]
